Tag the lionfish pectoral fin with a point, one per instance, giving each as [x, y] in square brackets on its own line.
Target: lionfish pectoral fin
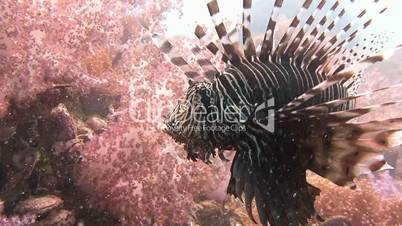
[344, 151]
[339, 77]
[317, 110]
[261, 182]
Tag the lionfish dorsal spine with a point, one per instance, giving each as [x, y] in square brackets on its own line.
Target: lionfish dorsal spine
[208, 69]
[309, 33]
[268, 41]
[341, 42]
[221, 30]
[293, 27]
[248, 42]
[201, 33]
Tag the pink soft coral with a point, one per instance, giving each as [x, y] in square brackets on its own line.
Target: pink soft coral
[376, 201]
[133, 170]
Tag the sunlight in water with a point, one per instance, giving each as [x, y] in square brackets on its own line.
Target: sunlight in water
[196, 12]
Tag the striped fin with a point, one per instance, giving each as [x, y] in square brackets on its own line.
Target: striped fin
[308, 37]
[303, 40]
[208, 68]
[339, 117]
[322, 41]
[347, 151]
[327, 107]
[349, 56]
[212, 47]
[335, 42]
[340, 42]
[335, 118]
[331, 80]
[249, 46]
[353, 83]
[221, 30]
[293, 27]
[376, 125]
[268, 42]
[316, 90]
[363, 47]
[276, 206]
[323, 29]
[168, 48]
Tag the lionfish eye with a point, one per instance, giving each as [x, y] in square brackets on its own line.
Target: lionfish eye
[203, 97]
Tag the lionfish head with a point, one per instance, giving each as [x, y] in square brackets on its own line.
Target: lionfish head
[187, 122]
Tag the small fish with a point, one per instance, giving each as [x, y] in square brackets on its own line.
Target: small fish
[284, 105]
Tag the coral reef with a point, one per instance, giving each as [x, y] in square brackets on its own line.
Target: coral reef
[45, 210]
[41, 142]
[376, 200]
[130, 168]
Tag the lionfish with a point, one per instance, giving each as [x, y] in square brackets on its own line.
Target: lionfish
[285, 105]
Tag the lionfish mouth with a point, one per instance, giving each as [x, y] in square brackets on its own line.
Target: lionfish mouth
[174, 132]
[202, 150]
[205, 150]
[195, 148]
[172, 125]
